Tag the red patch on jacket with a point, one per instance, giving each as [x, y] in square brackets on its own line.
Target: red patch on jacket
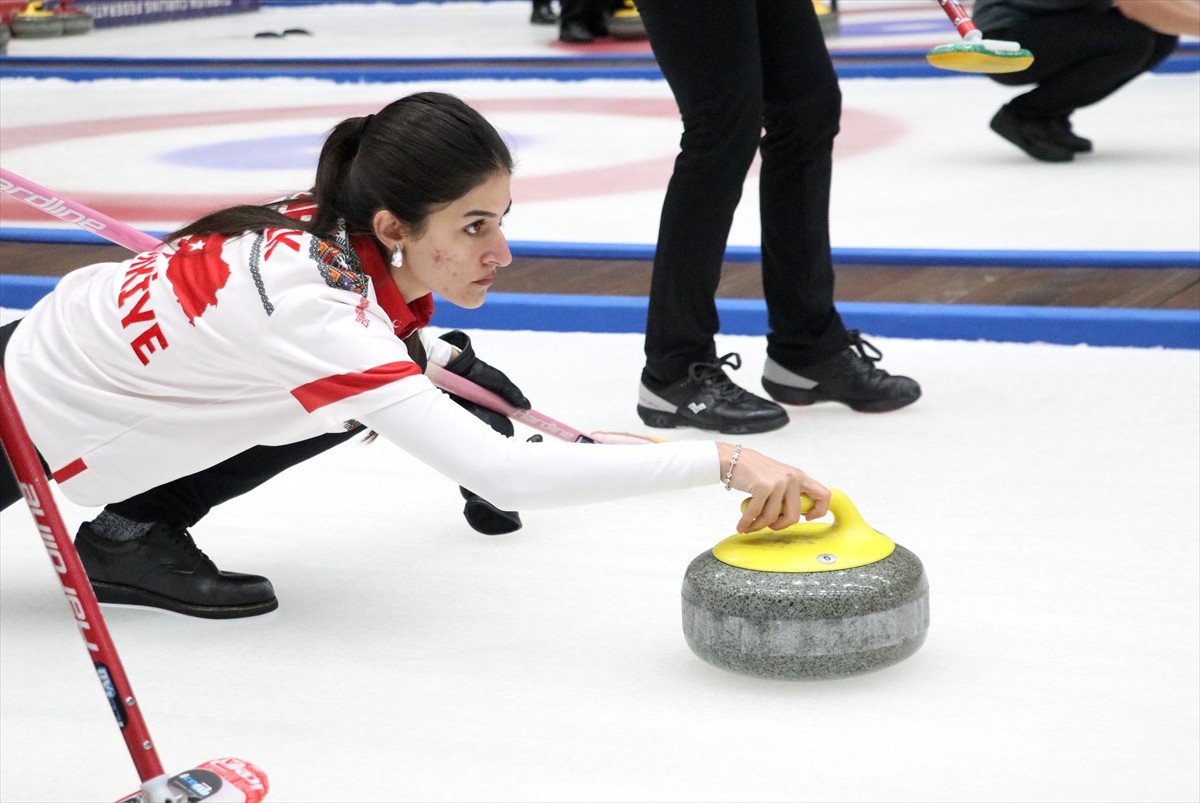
[197, 272]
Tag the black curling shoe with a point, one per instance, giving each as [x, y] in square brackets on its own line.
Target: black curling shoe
[1066, 135]
[165, 569]
[849, 377]
[1038, 138]
[543, 14]
[576, 33]
[708, 399]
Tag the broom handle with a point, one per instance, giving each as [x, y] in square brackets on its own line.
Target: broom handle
[78, 589]
[961, 19]
[55, 205]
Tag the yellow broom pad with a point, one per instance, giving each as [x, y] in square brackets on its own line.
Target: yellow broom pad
[978, 57]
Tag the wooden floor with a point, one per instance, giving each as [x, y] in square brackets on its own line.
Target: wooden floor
[1051, 287]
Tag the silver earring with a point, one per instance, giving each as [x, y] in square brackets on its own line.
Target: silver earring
[398, 257]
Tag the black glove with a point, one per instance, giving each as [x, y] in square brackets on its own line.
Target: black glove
[485, 517]
[482, 515]
[468, 366]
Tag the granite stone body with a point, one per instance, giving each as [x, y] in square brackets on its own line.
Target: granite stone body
[77, 22]
[36, 27]
[806, 625]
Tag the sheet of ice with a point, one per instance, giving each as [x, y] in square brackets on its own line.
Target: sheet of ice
[1050, 492]
[915, 165]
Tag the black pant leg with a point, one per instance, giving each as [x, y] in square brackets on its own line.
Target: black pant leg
[188, 499]
[708, 51]
[803, 107]
[10, 489]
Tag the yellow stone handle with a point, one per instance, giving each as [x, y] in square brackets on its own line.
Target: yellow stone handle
[35, 9]
[806, 503]
[812, 546]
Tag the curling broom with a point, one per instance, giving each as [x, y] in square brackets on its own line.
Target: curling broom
[222, 780]
[975, 54]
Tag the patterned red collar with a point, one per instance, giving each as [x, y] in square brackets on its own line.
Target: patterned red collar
[407, 317]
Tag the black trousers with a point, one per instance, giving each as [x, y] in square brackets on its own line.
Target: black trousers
[1079, 59]
[186, 500]
[737, 67]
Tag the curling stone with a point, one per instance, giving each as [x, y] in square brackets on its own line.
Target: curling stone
[626, 22]
[812, 601]
[827, 15]
[36, 22]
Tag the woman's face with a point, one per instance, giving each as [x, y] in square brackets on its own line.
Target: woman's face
[461, 249]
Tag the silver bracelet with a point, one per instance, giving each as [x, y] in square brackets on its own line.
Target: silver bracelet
[728, 479]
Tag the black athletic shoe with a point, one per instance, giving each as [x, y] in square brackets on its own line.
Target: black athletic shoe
[1067, 136]
[849, 377]
[165, 569]
[543, 14]
[1036, 137]
[708, 399]
[575, 33]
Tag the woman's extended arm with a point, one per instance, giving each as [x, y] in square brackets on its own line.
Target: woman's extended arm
[515, 474]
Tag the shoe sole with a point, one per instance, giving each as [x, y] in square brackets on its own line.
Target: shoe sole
[127, 595]
[803, 398]
[663, 420]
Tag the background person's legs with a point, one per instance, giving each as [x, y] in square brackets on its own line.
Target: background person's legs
[1079, 60]
[708, 52]
[810, 355]
[581, 21]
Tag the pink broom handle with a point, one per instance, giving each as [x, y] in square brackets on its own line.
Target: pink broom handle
[460, 386]
[55, 205]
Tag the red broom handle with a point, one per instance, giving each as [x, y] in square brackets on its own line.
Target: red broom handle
[961, 19]
[78, 589]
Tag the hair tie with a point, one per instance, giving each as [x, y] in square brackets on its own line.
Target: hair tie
[363, 123]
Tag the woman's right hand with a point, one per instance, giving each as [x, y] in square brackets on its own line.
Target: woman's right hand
[775, 489]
